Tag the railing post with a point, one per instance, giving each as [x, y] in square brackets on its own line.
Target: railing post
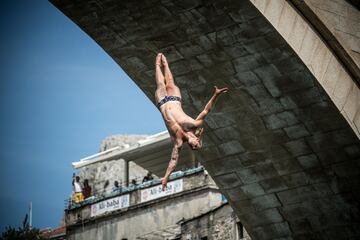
[126, 173]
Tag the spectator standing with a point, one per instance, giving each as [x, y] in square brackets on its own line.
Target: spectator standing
[87, 189]
[133, 182]
[148, 177]
[77, 194]
[116, 187]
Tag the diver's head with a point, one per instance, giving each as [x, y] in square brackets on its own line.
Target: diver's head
[194, 139]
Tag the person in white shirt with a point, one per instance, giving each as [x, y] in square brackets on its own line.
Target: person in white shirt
[77, 190]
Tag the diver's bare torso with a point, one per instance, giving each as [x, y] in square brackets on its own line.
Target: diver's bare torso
[176, 119]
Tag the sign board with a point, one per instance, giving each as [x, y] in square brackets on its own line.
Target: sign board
[156, 192]
[110, 205]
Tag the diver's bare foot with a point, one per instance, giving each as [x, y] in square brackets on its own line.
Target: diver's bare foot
[158, 59]
[164, 183]
[164, 61]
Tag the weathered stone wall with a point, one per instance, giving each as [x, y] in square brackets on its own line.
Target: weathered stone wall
[99, 173]
[218, 224]
[343, 20]
[314, 52]
[142, 219]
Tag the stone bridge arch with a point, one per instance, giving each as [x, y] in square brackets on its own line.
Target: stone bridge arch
[283, 145]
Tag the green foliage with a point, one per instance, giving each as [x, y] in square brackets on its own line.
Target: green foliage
[11, 233]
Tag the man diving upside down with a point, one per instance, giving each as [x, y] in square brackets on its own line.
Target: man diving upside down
[181, 127]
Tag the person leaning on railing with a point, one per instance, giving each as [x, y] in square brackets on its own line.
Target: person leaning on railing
[77, 190]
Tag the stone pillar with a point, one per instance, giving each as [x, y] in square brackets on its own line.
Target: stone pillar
[126, 173]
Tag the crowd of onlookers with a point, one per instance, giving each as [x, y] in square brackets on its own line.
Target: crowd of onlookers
[83, 191]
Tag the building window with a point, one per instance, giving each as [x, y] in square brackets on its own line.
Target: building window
[240, 229]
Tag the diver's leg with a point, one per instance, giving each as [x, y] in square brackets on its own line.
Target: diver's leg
[171, 87]
[160, 92]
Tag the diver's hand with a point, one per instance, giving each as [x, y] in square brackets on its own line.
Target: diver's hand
[219, 91]
[164, 183]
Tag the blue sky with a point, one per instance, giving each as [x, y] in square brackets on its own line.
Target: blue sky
[60, 95]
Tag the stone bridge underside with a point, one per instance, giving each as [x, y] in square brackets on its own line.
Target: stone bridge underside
[276, 144]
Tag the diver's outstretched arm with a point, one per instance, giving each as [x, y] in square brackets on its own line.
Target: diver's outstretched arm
[200, 118]
[173, 161]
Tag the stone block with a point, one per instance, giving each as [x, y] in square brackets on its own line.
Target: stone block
[137, 62]
[262, 25]
[226, 134]
[248, 175]
[274, 137]
[249, 159]
[246, 78]
[265, 217]
[280, 120]
[205, 60]
[296, 80]
[277, 153]
[235, 51]
[342, 89]
[353, 151]
[228, 180]
[338, 138]
[273, 231]
[301, 226]
[218, 120]
[287, 166]
[171, 53]
[299, 211]
[275, 184]
[320, 61]
[357, 120]
[256, 45]
[331, 156]
[296, 179]
[221, 166]
[230, 148]
[243, 207]
[308, 45]
[204, 42]
[180, 67]
[297, 195]
[352, 102]
[319, 175]
[297, 131]
[257, 92]
[266, 171]
[309, 161]
[209, 153]
[332, 74]
[298, 147]
[288, 103]
[266, 106]
[297, 34]
[287, 21]
[236, 194]
[347, 169]
[253, 190]
[243, 14]
[246, 63]
[306, 97]
[273, 11]
[264, 202]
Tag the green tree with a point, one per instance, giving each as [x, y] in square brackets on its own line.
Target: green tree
[26, 233]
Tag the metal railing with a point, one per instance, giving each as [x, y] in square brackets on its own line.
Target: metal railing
[109, 193]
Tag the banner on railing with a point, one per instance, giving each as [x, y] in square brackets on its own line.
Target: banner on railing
[110, 205]
[156, 192]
